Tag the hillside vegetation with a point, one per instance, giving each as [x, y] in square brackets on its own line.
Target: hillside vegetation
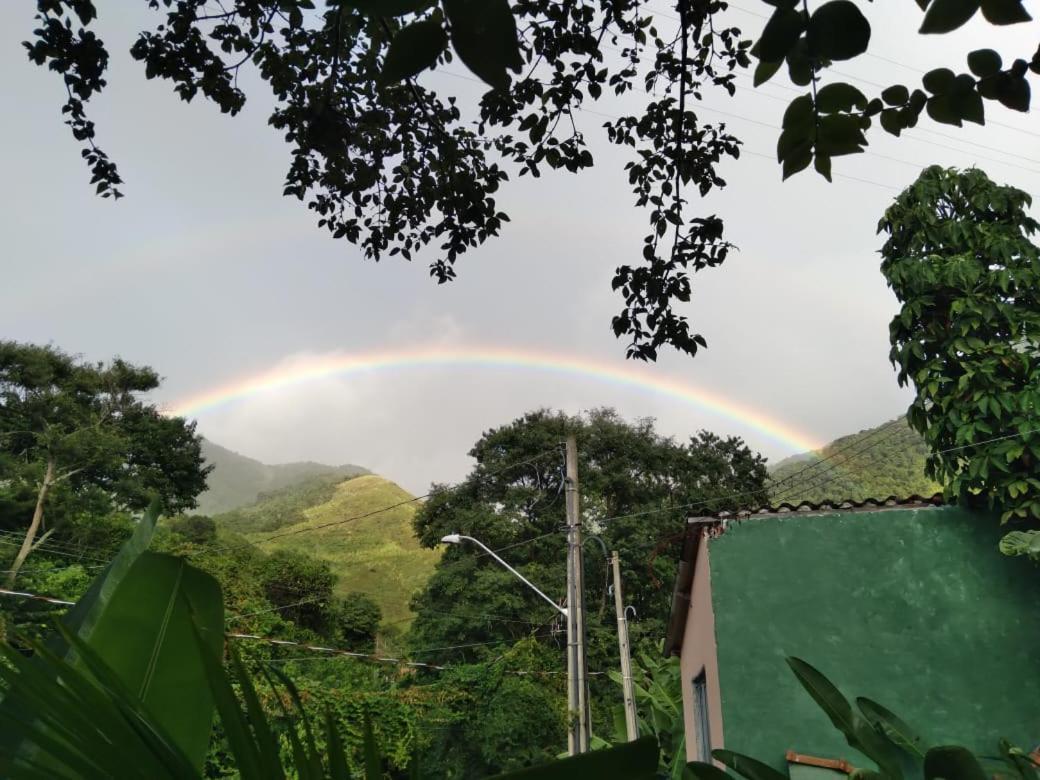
[237, 481]
[876, 463]
[377, 555]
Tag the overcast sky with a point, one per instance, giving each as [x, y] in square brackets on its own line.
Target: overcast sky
[207, 273]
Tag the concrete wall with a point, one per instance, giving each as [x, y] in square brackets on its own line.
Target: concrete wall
[698, 653]
[915, 609]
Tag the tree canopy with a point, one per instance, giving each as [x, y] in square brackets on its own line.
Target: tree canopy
[513, 501]
[967, 337]
[395, 166]
[77, 436]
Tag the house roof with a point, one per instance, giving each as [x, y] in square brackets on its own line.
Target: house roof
[710, 526]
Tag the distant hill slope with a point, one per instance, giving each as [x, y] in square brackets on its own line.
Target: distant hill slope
[377, 555]
[876, 463]
[238, 481]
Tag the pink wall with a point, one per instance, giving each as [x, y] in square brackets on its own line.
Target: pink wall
[698, 652]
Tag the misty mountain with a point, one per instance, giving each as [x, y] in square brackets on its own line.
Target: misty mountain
[238, 481]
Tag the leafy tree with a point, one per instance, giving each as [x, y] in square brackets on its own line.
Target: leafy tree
[472, 608]
[967, 336]
[390, 164]
[80, 431]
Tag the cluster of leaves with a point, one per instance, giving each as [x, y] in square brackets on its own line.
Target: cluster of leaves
[899, 751]
[387, 163]
[967, 336]
[832, 120]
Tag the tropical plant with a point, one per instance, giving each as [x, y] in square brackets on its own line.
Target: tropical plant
[657, 683]
[129, 686]
[959, 259]
[898, 750]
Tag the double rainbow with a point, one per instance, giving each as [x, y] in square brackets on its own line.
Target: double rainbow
[628, 376]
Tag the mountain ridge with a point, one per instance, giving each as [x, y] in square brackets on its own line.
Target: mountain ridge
[886, 460]
[238, 480]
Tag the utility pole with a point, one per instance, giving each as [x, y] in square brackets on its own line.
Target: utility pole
[631, 725]
[577, 671]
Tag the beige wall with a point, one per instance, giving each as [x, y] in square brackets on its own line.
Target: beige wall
[698, 652]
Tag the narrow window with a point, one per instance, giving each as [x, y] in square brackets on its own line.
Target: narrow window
[702, 731]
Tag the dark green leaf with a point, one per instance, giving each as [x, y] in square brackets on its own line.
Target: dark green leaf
[1004, 11]
[1013, 92]
[944, 16]
[967, 104]
[892, 726]
[984, 62]
[896, 95]
[938, 81]
[891, 121]
[838, 31]
[414, 48]
[146, 637]
[765, 71]
[952, 763]
[338, 768]
[941, 109]
[840, 97]
[373, 766]
[797, 160]
[484, 35]
[822, 164]
[798, 66]
[780, 34]
[858, 732]
[875, 107]
[799, 112]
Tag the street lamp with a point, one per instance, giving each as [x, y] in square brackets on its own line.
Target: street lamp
[458, 538]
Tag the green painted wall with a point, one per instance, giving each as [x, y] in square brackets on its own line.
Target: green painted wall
[913, 608]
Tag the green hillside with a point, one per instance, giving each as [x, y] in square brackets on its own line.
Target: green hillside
[875, 463]
[237, 480]
[377, 555]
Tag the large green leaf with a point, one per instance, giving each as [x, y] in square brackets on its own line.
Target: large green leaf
[630, 761]
[484, 35]
[83, 617]
[81, 620]
[892, 726]
[82, 721]
[779, 35]
[145, 635]
[838, 30]
[944, 16]
[859, 733]
[414, 48]
[951, 762]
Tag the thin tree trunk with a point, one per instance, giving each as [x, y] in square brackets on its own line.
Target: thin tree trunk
[34, 526]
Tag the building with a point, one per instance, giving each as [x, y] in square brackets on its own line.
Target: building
[908, 602]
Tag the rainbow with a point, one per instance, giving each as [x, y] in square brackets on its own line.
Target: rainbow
[629, 376]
